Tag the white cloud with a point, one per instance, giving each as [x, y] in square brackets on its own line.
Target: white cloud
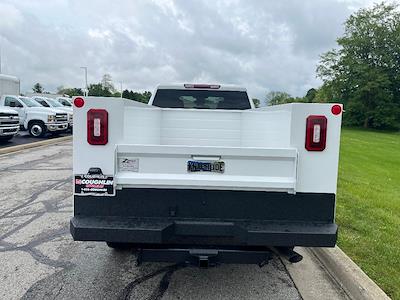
[263, 45]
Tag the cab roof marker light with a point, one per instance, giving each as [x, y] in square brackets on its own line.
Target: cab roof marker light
[201, 86]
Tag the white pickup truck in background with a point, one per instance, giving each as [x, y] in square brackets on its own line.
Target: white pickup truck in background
[35, 118]
[9, 123]
[200, 175]
[48, 102]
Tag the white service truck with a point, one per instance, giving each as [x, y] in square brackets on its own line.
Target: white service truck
[49, 102]
[199, 175]
[9, 121]
[35, 118]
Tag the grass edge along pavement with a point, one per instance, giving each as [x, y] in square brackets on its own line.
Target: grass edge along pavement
[368, 204]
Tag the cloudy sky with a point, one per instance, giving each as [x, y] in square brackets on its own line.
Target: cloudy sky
[263, 45]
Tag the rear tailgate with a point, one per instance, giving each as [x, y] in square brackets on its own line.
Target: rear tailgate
[165, 166]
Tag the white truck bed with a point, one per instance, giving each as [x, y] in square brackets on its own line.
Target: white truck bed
[263, 149]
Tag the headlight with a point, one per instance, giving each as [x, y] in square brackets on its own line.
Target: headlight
[51, 118]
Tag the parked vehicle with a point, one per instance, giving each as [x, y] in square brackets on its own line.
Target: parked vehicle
[199, 175]
[9, 123]
[48, 102]
[65, 101]
[35, 118]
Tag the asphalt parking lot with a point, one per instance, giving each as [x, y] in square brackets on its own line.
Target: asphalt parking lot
[39, 259]
[23, 137]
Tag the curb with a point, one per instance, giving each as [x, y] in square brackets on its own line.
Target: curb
[348, 275]
[34, 144]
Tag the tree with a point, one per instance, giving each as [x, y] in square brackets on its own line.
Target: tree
[97, 89]
[364, 72]
[137, 96]
[274, 98]
[37, 88]
[256, 102]
[107, 83]
[70, 91]
[125, 94]
[310, 96]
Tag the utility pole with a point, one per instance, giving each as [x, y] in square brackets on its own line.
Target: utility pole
[0, 58]
[121, 88]
[86, 85]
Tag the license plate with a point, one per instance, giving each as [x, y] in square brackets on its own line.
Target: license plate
[206, 166]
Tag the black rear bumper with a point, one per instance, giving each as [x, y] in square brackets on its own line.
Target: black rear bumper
[206, 218]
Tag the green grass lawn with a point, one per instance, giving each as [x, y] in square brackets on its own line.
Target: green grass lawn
[368, 204]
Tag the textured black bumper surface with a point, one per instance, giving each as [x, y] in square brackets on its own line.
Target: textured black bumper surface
[206, 218]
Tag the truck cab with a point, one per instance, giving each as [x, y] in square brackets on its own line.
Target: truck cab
[35, 118]
[9, 123]
[200, 175]
[48, 102]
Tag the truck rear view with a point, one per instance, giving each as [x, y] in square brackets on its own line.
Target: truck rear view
[201, 175]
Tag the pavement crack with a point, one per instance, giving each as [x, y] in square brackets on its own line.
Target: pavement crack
[36, 196]
[164, 283]
[19, 227]
[127, 291]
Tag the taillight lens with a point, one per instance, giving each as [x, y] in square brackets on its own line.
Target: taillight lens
[97, 127]
[316, 133]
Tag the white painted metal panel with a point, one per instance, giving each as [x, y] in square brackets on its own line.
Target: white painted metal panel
[249, 168]
[257, 145]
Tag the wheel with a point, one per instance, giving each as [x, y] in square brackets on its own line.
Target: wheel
[36, 129]
[119, 246]
[6, 138]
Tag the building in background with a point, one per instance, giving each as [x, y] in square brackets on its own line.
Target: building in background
[9, 85]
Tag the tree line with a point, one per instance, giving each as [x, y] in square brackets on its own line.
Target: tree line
[105, 88]
[363, 73]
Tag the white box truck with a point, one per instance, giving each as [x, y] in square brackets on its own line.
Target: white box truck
[199, 175]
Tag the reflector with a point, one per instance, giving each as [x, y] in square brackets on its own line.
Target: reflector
[79, 102]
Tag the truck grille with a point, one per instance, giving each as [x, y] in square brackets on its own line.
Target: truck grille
[7, 120]
[61, 118]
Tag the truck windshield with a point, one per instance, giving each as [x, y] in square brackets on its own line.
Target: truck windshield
[201, 99]
[54, 103]
[29, 102]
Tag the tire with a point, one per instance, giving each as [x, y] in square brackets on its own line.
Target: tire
[6, 138]
[36, 129]
[119, 246]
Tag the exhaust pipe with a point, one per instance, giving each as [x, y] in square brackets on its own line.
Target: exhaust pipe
[291, 255]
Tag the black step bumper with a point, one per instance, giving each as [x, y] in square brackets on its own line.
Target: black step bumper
[206, 218]
[158, 231]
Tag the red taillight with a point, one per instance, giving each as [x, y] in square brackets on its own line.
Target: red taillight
[316, 133]
[79, 102]
[97, 127]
